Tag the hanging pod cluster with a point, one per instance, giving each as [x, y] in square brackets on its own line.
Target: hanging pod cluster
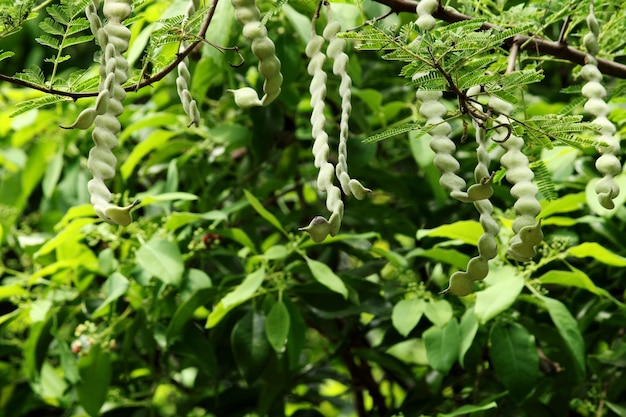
[527, 230]
[184, 77]
[461, 282]
[249, 16]
[113, 39]
[320, 227]
[607, 164]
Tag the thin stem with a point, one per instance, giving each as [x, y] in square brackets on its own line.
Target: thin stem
[148, 81]
[529, 43]
[563, 35]
[512, 57]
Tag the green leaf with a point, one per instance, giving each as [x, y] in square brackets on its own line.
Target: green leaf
[449, 256]
[439, 312]
[115, 286]
[240, 294]
[325, 276]
[69, 361]
[155, 140]
[95, 375]
[505, 285]
[297, 334]
[573, 278]
[592, 197]
[184, 312]
[53, 173]
[567, 326]
[442, 346]
[250, 346]
[239, 236]
[514, 356]
[12, 290]
[36, 103]
[468, 330]
[162, 259]
[258, 207]
[597, 252]
[565, 204]
[470, 409]
[6, 54]
[72, 232]
[173, 196]
[467, 231]
[406, 314]
[277, 326]
[182, 218]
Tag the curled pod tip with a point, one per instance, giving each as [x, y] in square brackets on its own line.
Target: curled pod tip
[318, 229]
[460, 285]
[335, 220]
[358, 190]
[120, 215]
[246, 97]
[481, 190]
[84, 120]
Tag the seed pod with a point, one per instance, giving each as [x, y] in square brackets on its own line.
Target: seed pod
[478, 267]
[190, 106]
[607, 164]
[249, 16]
[319, 227]
[425, 10]
[335, 51]
[114, 73]
[527, 230]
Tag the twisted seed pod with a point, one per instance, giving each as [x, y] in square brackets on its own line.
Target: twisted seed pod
[441, 144]
[95, 24]
[335, 51]
[478, 267]
[425, 10]
[184, 77]
[249, 16]
[114, 73]
[319, 227]
[527, 231]
[607, 164]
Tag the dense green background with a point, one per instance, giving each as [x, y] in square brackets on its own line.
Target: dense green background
[211, 303]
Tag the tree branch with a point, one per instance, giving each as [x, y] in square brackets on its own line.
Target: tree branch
[135, 87]
[528, 43]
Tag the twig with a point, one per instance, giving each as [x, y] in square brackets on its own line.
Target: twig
[148, 81]
[562, 36]
[512, 56]
[545, 47]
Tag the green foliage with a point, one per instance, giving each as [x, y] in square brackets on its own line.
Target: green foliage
[212, 303]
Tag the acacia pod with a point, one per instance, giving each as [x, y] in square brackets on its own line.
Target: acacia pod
[460, 284]
[318, 229]
[113, 38]
[336, 52]
[607, 163]
[425, 10]
[248, 15]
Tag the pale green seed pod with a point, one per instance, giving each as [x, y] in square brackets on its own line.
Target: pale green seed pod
[519, 174]
[190, 106]
[319, 228]
[114, 73]
[249, 16]
[440, 143]
[335, 51]
[425, 10]
[460, 284]
[607, 164]
[478, 267]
